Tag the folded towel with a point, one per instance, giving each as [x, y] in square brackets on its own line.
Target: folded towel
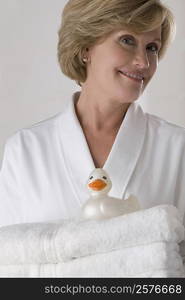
[58, 242]
[54, 271]
[140, 261]
[162, 273]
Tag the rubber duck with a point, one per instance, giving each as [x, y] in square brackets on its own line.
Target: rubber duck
[100, 205]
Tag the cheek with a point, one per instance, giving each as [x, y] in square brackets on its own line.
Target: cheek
[104, 66]
[104, 69]
[154, 65]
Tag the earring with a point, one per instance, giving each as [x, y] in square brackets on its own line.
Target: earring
[85, 59]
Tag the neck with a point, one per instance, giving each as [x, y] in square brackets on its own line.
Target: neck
[100, 114]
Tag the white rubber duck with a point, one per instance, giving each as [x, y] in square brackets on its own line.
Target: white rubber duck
[100, 205]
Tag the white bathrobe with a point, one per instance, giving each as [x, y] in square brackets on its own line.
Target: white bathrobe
[46, 166]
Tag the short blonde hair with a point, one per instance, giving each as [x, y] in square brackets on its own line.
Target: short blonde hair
[85, 22]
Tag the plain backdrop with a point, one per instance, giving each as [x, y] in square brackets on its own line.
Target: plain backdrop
[32, 87]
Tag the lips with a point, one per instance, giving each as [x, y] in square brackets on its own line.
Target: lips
[134, 76]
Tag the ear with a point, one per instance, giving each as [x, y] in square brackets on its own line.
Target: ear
[86, 55]
[85, 52]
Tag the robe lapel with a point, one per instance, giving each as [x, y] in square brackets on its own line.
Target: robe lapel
[126, 150]
[122, 158]
[77, 158]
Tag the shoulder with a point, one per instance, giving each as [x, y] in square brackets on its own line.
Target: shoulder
[46, 125]
[35, 133]
[161, 127]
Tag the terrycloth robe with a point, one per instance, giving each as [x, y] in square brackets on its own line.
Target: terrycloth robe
[46, 166]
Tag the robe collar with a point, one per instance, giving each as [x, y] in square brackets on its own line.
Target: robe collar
[121, 160]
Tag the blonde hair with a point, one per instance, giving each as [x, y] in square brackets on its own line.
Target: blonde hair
[85, 22]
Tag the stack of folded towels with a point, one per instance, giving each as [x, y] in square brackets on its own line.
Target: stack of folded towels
[140, 244]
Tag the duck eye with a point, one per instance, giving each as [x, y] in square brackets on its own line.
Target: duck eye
[91, 177]
[104, 177]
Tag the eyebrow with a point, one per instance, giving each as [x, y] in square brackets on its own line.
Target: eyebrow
[155, 40]
[158, 40]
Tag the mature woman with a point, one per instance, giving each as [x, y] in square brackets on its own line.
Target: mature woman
[111, 48]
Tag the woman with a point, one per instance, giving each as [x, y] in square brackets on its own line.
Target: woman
[111, 48]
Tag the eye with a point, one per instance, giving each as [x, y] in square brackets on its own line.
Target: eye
[104, 177]
[153, 48]
[127, 40]
[91, 177]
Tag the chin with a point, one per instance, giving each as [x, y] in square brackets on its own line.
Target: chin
[128, 95]
[128, 98]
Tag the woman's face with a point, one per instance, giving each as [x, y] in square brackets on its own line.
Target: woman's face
[122, 56]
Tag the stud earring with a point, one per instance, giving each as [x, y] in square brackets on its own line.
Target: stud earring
[85, 59]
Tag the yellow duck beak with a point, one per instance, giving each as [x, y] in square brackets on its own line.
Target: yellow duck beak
[97, 185]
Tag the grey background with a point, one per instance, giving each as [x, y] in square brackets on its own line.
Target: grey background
[32, 87]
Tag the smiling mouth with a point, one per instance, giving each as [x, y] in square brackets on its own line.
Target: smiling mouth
[132, 77]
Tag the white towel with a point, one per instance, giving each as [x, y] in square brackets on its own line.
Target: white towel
[44, 243]
[141, 261]
[55, 271]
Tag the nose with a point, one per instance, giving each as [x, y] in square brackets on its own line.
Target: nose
[141, 59]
